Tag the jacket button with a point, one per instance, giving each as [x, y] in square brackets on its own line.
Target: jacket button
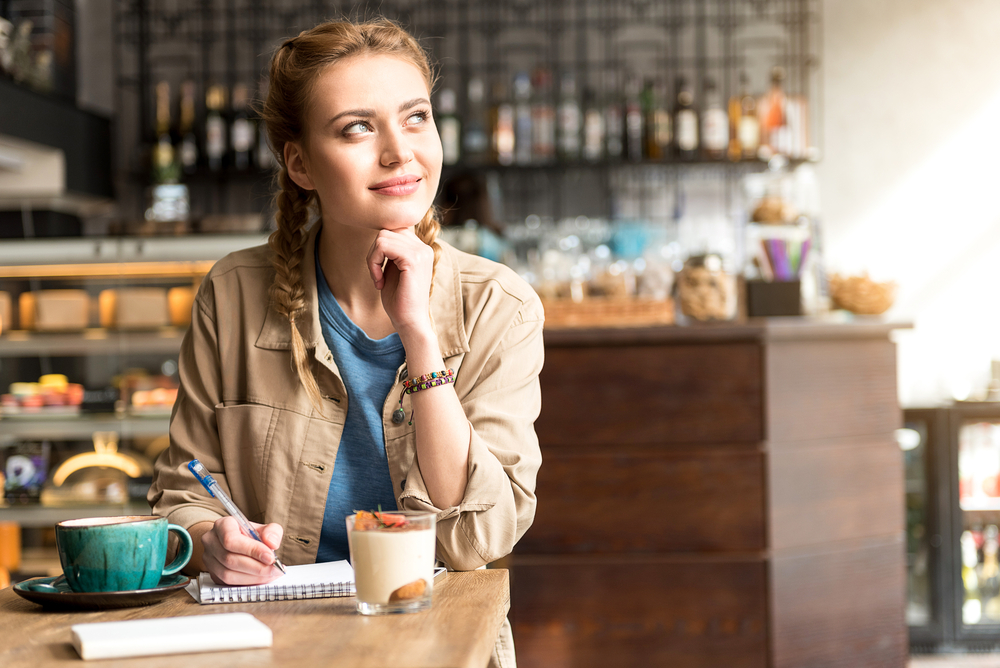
[329, 357]
[402, 375]
[402, 483]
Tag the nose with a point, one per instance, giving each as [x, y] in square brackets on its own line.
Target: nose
[396, 148]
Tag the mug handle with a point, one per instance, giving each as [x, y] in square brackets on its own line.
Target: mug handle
[184, 554]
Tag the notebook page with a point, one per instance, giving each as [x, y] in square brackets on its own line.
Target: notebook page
[304, 577]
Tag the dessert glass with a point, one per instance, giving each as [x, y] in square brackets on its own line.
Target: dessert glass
[393, 558]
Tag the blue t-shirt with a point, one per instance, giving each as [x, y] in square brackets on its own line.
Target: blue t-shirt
[361, 471]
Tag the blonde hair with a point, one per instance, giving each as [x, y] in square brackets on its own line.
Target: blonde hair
[295, 66]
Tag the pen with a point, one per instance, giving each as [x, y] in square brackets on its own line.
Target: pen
[206, 479]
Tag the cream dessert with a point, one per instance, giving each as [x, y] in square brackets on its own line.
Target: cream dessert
[393, 559]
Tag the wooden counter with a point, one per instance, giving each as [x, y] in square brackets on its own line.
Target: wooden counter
[459, 631]
[727, 495]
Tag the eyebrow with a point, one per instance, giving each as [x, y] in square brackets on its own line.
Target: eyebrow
[370, 113]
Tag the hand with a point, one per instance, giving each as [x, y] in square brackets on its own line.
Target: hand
[233, 558]
[405, 280]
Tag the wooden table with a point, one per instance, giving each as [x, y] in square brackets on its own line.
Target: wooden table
[458, 632]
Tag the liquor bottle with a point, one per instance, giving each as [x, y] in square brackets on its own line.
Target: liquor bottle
[522, 119]
[569, 119]
[242, 131]
[633, 120]
[685, 122]
[215, 127]
[714, 124]
[475, 143]
[614, 121]
[734, 152]
[165, 166]
[448, 127]
[189, 142]
[502, 127]
[543, 118]
[656, 143]
[593, 127]
[265, 158]
[771, 112]
[749, 125]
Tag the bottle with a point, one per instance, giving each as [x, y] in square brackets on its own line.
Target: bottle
[502, 127]
[215, 127]
[543, 118]
[685, 122]
[633, 121]
[614, 121]
[734, 152]
[265, 158]
[522, 119]
[593, 127]
[771, 112]
[714, 124]
[475, 142]
[656, 143]
[749, 126]
[188, 142]
[448, 127]
[165, 168]
[569, 119]
[242, 131]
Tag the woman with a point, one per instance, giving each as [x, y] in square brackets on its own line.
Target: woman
[292, 371]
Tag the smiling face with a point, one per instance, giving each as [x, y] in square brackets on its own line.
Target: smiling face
[370, 149]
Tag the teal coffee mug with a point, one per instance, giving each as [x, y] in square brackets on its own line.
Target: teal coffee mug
[105, 554]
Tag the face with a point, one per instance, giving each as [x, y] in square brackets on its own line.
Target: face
[370, 149]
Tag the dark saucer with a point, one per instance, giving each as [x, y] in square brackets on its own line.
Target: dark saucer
[67, 598]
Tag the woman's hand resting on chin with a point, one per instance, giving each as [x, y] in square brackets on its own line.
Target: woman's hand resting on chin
[401, 266]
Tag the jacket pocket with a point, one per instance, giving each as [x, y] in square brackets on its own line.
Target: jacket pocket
[246, 433]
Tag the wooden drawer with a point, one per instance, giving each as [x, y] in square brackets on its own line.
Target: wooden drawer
[649, 394]
[634, 499]
[584, 613]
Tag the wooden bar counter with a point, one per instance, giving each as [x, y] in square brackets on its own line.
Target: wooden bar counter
[459, 630]
[727, 495]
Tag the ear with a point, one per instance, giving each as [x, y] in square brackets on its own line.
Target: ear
[295, 162]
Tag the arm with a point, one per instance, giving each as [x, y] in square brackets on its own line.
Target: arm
[219, 546]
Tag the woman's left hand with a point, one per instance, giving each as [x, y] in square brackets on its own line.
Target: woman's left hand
[405, 278]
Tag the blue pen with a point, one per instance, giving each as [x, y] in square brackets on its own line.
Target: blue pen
[206, 479]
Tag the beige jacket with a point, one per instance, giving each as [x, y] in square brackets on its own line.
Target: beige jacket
[242, 411]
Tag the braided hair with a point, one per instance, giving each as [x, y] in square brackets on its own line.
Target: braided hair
[295, 67]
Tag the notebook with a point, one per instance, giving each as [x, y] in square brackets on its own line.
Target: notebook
[170, 635]
[323, 580]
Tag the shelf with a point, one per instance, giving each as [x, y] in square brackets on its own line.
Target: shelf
[83, 426]
[93, 341]
[115, 256]
[47, 516]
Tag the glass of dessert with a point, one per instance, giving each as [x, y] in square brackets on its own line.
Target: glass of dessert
[393, 558]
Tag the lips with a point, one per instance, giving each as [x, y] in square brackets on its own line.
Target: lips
[397, 185]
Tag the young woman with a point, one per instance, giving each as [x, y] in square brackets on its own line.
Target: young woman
[292, 371]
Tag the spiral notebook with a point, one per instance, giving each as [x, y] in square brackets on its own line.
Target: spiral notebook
[323, 580]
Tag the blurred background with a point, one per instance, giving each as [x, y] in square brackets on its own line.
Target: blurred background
[718, 168]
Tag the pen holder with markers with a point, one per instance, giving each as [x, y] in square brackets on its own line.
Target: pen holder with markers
[779, 261]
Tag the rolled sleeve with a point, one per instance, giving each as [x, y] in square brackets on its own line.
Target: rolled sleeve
[499, 503]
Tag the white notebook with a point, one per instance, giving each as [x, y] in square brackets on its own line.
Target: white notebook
[170, 635]
[333, 578]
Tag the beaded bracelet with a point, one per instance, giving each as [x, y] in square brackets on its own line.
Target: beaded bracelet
[424, 382]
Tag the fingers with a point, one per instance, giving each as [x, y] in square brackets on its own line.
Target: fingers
[403, 249]
[233, 558]
[271, 534]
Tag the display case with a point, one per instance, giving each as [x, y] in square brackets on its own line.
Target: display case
[80, 446]
[953, 511]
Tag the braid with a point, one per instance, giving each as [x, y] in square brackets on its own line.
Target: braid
[427, 231]
[287, 293]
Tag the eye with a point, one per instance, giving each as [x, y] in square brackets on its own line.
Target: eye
[418, 117]
[357, 128]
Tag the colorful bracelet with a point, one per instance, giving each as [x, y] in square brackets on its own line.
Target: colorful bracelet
[424, 382]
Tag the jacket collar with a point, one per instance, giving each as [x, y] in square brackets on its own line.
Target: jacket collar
[446, 307]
